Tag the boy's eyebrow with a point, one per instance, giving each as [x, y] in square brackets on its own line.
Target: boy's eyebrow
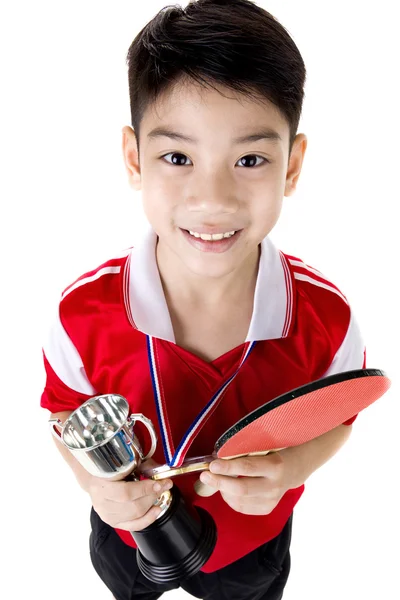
[265, 133]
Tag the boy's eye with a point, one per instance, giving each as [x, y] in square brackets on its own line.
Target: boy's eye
[179, 159]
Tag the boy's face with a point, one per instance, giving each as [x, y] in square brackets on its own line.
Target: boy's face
[213, 182]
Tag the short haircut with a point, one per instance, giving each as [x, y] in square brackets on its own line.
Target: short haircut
[230, 42]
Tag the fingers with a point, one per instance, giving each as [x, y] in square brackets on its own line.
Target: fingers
[128, 491]
[141, 523]
[234, 486]
[145, 519]
[251, 505]
[249, 466]
[128, 505]
[203, 490]
[129, 511]
[247, 505]
[250, 485]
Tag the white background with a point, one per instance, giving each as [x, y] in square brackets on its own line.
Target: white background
[66, 206]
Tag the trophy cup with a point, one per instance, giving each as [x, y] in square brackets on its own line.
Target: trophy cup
[101, 436]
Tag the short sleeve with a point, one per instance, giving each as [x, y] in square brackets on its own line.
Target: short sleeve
[350, 356]
[67, 385]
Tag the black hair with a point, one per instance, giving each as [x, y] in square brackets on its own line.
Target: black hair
[230, 42]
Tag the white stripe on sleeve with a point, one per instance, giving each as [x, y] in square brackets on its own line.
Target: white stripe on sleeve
[85, 280]
[350, 355]
[65, 359]
[319, 284]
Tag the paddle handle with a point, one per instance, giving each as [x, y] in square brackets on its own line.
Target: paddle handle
[191, 465]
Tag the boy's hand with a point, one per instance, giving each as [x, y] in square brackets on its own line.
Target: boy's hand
[252, 485]
[265, 479]
[127, 504]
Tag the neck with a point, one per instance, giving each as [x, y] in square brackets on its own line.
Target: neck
[183, 285]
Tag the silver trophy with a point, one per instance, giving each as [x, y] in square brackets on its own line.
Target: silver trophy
[100, 434]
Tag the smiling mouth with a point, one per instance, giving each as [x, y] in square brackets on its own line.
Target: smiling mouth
[212, 245]
[212, 237]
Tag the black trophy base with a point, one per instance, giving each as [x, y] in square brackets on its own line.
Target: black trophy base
[188, 554]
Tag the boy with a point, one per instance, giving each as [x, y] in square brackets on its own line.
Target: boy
[218, 85]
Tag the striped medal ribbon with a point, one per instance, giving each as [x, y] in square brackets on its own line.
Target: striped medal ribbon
[176, 457]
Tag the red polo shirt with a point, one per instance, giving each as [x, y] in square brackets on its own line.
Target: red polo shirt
[304, 328]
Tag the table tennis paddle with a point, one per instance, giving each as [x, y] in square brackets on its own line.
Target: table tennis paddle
[290, 419]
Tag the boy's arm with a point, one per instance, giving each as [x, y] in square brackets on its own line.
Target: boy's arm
[301, 461]
[83, 477]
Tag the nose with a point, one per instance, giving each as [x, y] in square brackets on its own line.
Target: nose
[213, 195]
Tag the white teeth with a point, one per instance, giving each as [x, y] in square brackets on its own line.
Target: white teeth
[214, 236]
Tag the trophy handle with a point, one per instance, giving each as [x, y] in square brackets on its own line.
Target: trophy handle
[53, 424]
[150, 428]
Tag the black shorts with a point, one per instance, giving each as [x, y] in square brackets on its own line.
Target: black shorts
[260, 575]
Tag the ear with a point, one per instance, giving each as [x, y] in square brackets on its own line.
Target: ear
[131, 157]
[295, 163]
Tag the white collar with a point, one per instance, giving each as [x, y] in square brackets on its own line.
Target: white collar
[273, 300]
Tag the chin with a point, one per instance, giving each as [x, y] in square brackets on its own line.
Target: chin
[210, 269]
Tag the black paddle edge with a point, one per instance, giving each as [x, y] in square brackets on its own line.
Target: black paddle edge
[295, 393]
